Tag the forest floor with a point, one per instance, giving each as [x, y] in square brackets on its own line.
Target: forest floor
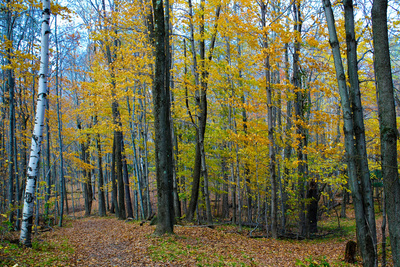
[107, 241]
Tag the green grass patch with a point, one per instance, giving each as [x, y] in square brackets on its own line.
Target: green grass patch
[176, 249]
[42, 253]
[166, 250]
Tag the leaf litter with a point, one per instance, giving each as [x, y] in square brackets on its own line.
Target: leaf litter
[107, 241]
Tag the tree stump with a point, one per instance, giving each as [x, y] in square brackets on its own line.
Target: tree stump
[350, 254]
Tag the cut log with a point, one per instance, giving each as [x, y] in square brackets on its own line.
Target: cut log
[350, 254]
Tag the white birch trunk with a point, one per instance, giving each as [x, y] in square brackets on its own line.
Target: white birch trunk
[33, 167]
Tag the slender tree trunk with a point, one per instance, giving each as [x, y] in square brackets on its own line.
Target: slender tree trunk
[100, 190]
[344, 201]
[246, 165]
[177, 203]
[128, 199]
[201, 103]
[299, 110]
[239, 195]
[60, 140]
[73, 198]
[87, 184]
[107, 179]
[119, 174]
[271, 146]
[232, 176]
[46, 166]
[10, 87]
[197, 160]
[364, 235]
[135, 161]
[114, 192]
[388, 126]
[225, 187]
[287, 151]
[146, 161]
[383, 227]
[203, 114]
[359, 129]
[27, 219]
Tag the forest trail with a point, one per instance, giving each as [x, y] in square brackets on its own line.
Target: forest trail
[107, 242]
[111, 242]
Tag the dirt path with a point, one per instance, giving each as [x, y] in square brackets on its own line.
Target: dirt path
[107, 242]
[112, 242]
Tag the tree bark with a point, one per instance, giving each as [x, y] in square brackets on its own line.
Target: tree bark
[271, 145]
[10, 87]
[201, 103]
[388, 126]
[60, 140]
[287, 151]
[135, 157]
[87, 179]
[114, 190]
[118, 164]
[225, 187]
[100, 190]
[128, 200]
[364, 236]
[27, 219]
[302, 169]
[162, 124]
[359, 129]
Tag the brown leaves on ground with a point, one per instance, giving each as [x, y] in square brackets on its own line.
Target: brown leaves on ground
[107, 241]
[224, 246]
[95, 241]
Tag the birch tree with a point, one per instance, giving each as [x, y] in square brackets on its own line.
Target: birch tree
[33, 167]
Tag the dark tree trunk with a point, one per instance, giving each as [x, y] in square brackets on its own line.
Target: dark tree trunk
[177, 202]
[312, 208]
[114, 191]
[270, 118]
[162, 124]
[287, 151]
[225, 194]
[345, 199]
[201, 103]
[300, 131]
[87, 183]
[128, 200]
[100, 190]
[359, 132]
[350, 253]
[60, 140]
[10, 85]
[138, 191]
[47, 167]
[196, 181]
[119, 174]
[388, 127]
[364, 235]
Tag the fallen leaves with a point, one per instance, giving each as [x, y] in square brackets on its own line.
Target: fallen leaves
[95, 241]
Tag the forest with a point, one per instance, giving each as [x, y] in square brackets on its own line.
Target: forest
[228, 124]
